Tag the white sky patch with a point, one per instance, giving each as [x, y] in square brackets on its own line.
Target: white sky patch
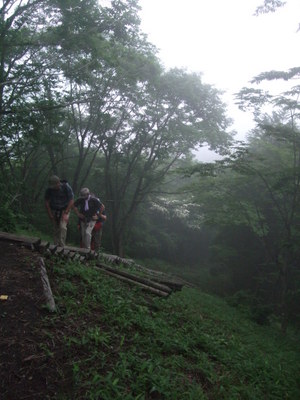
[224, 41]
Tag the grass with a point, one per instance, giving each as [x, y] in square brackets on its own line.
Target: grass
[32, 232]
[119, 343]
[47, 235]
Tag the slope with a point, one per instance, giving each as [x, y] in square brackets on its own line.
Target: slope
[112, 340]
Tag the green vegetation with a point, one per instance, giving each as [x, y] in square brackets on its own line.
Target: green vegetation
[119, 343]
[95, 106]
[83, 95]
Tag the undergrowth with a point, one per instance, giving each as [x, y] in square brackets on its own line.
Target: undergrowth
[120, 343]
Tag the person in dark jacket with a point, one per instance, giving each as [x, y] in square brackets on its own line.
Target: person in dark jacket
[87, 209]
[59, 200]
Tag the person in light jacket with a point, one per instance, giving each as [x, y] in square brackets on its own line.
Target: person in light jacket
[87, 209]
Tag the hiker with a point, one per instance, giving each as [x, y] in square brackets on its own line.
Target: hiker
[59, 199]
[97, 231]
[87, 209]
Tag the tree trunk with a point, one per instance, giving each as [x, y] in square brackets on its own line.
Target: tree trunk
[117, 240]
[283, 295]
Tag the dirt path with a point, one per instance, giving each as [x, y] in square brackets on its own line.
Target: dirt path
[24, 372]
[34, 361]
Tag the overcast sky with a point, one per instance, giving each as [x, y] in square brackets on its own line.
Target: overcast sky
[224, 40]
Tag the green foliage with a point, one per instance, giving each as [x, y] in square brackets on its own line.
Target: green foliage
[256, 188]
[83, 95]
[189, 346]
[252, 306]
[11, 214]
[83, 90]
[8, 219]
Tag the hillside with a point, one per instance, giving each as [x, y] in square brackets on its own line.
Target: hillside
[112, 340]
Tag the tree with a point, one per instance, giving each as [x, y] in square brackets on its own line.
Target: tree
[258, 187]
[24, 67]
[157, 123]
[81, 84]
[57, 59]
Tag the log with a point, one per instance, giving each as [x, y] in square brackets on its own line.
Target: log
[155, 279]
[46, 287]
[36, 245]
[92, 255]
[59, 251]
[134, 282]
[20, 239]
[160, 277]
[140, 279]
[117, 260]
[71, 255]
[88, 254]
[111, 258]
[173, 282]
[53, 248]
[79, 250]
[77, 257]
[43, 246]
[174, 285]
[66, 253]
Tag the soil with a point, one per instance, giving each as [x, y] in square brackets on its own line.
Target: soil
[26, 372]
[34, 364]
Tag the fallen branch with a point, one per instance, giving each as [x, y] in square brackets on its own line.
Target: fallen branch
[145, 281]
[46, 286]
[134, 282]
[175, 283]
[26, 240]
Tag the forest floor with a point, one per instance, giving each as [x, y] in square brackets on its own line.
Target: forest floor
[25, 372]
[107, 341]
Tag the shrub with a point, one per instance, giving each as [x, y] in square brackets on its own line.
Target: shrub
[8, 218]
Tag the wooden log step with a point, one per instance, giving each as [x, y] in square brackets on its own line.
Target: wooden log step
[140, 279]
[78, 250]
[66, 253]
[174, 285]
[111, 258]
[134, 282]
[173, 282]
[155, 279]
[19, 239]
[36, 244]
[59, 251]
[43, 246]
[71, 255]
[77, 257]
[92, 255]
[53, 248]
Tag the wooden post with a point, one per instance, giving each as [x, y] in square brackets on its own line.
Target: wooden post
[46, 286]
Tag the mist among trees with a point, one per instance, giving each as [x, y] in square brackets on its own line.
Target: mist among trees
[83, 95]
